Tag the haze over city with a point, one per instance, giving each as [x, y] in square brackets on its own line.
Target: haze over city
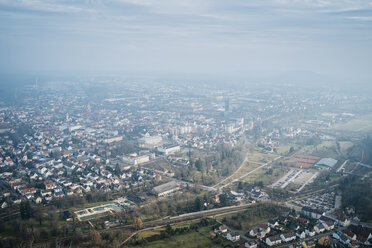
[209, 123]
[328, 39]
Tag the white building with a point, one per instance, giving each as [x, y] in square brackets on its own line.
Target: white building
[166, 188]
[273, 240]
[113, 139]
[170, 149]
[134, 159]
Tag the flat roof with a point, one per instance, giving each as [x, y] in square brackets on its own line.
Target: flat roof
[330, 162]
[165, 187]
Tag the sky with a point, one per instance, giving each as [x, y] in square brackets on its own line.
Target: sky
[253, 38]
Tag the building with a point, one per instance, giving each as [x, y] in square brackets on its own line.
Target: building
[150, 141]
[169, 149]
[233, 236]
[134, 159]
[273, 240]
[165, 189]
[329, 162]
[312, 212]
[288, 237]
[250, 244]
[344, 221]
[113, 139]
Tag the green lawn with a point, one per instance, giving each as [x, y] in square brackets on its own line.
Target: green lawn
[193, 239]
[88, 205]
[359, 124]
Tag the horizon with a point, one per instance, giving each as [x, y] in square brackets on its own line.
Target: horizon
[290, 39]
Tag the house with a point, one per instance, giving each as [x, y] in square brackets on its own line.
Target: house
[272, 223]
[354, 244]
[294, 226]
[283, 219]
[38, 200]
[344, 221]
[348, 233]
[301, 234]
[363, 233]
[253, 232]
[67, 215]
[312, 212]
[341, 237]
[319, 228]
[264, 228]
[273, 240]
[363, 240]
[250, 244]
[328, 222]
[310, 232]
[50, 185]
[303, 221]
[324, 241]
[309, 244]
[4, 205]
[260, 231]
[287, 237]
[223, 228]
[233, 236]
[25, 191]
[329, 225]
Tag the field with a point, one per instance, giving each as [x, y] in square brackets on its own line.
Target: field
[256, 159]
[245, 220]
[344, 146]
[254, 155]
[359, 124]
[283, 148]
[267, 175]
[192, 239]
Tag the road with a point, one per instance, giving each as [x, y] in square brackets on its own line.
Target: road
[342, 166]
[240, 167]
[181, 181]
[246, 174]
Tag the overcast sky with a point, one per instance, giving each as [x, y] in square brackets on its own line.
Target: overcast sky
[243, 37]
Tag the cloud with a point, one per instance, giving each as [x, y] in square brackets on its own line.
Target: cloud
[361, 18]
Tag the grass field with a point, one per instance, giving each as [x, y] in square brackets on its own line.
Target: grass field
[344, 146]
[193, 239]
[266, 178]
[324, 149]
[359, 124]
[283, 149]
[88, 205]
[256, 156]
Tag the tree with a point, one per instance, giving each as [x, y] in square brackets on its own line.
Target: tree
[199, 164]
[137, 223]
[198, 204]
[95, 237]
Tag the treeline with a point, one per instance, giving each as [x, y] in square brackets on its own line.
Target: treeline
[253, 214]
[361, 151]
[357, 193]
[72, 201]
[183, 203]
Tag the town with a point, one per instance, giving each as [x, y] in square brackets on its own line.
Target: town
[99, 159]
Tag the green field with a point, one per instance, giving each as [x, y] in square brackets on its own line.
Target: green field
[243, 221]
[193, 239]
[359, 124]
